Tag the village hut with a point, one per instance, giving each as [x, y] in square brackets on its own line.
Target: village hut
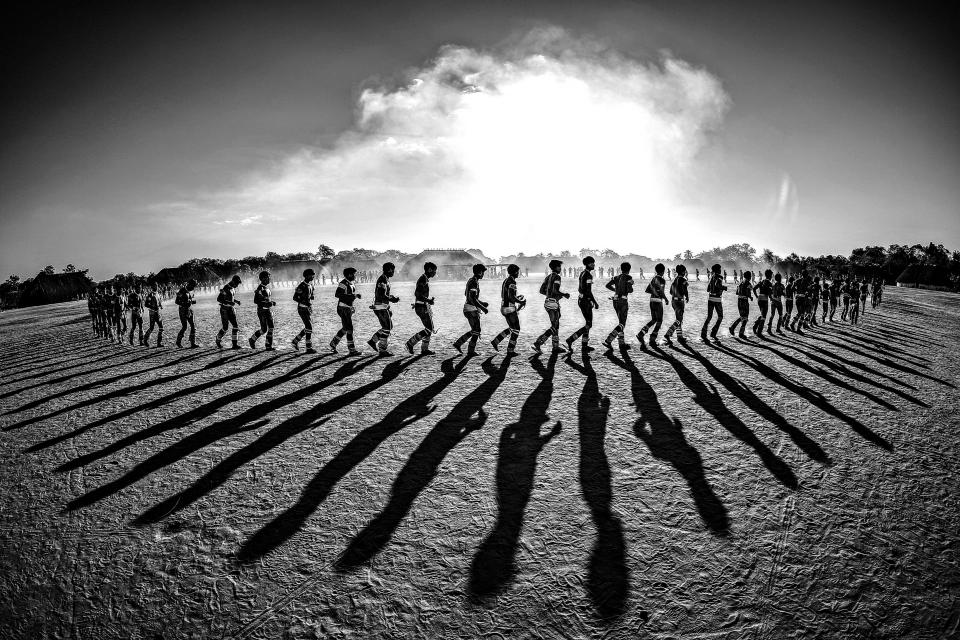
[452, 264]
[48, 288]
[919, 276]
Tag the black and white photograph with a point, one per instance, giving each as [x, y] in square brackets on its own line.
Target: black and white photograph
[619, 319]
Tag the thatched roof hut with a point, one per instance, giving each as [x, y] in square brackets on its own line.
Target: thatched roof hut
[452, 264]
[205, 276]
[48, 288]
[921, 276]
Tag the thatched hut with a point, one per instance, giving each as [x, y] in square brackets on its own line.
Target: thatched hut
[919, 276]
[48, 288]
[175, 276]
[452, 264]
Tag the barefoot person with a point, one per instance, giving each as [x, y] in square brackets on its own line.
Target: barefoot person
[587, 304]
[261, 298]
[715, 289]
[763, 289]
[135, 305]
[303, 296]
[776, 304]
[551, 289]
[622, 286]
[657, 298]
[228, 313]
[381, 309]
[788, 298]
[510, 304]
[153, 303]
[744, 296]
[423, 307]
[679, 297]
[472, 308]
[185, 302]
[346, 293]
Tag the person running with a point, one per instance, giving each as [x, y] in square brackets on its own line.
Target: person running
[228, 313]
[622, 286]
[679, 297]
[92, 310]
[510, 305]
[423, 307]
[800, 291]
[303, 296]
[261, 298]
[381, 309]
[744, 296]
[698, 275]
[824, 301]
[845, 296]
[587, 304]
[854, 302]
[763, 289]
[715, 289]
[118, 305]
[776, 304]
[185, 302]
[153, 303]
[657, 296]
[551, 289]
[834, 296]
[135, 304]
[346, 293]
[472, 308]
[875, 293]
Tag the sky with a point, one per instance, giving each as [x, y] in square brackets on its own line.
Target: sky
[137, 137]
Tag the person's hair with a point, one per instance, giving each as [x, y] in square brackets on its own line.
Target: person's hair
[748, 275]
[659, 268]
[263, 275]
[389, 266]
[513, 270]
[236, 278]
[429, 266]
[625, 267]
[716, 268]
[478, 269]
[680, 269]
[308, 272]
[191, 283]
[554, 264]
[588, 260]
[768, 273]
[778, 277]
[348, 271]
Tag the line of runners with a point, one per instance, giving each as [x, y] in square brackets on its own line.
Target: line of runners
[794, 305]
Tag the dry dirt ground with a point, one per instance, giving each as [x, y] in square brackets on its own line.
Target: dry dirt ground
[788, 487]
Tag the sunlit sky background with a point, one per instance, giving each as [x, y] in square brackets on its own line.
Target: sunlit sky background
[136, 138]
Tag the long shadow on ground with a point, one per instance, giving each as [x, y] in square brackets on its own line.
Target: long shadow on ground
[816, 399]
[712, 402]
[608, 580]
[464, 418]
[246, 421]
[520, 443]
[746, 395]
[159, 402]
[273, 438]
[664, 437]
[122, 392]
[409, 411]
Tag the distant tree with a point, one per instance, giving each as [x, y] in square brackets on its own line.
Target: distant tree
[13, 279]
[325, 253]
[583, 253]
[688, 255]
[69, 269]
[49, 270]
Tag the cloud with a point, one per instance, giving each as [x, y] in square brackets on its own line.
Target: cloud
[552, 137]
[243, 222]
[787, 202]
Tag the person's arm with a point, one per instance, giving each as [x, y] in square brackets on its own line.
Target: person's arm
[612, 285]
[556, 288]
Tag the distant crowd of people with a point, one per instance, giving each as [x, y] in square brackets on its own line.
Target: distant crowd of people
[795, 305]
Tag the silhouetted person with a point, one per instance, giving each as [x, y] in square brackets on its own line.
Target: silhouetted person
[423, 307]
[261, 298]
[679, 297]
[472, 308]
[346, 293]
[510, 304]
[551, 289]
[657, 297]
[135, 304]
[744, 296]
[763, 289]
[715, 289]
[587, 304]
[381, 309]
[303, 295]
[228, 314]
[153, 303]
[185, 302]
[776, 304]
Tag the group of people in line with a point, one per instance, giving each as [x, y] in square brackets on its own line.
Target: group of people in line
[794, 305]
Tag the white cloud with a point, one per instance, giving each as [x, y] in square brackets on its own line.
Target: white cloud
[552, 141]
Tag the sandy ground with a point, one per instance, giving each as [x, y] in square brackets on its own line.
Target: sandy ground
[788, 487]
